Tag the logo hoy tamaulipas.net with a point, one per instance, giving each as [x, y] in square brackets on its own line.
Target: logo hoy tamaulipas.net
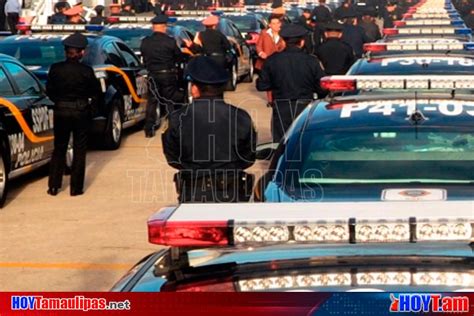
[429, 303]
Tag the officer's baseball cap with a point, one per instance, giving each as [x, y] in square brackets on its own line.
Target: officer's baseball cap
[205, 70]
[160, 19]
[76, 40]
[293, 31]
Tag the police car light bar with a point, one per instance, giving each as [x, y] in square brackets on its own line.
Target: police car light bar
[423, 31]
[428, 22]
[204, 225]
[431, 16]
[129, 19]
[384, 47]
[398, 82]
[59, 28]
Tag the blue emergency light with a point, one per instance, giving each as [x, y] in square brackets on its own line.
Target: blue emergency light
[463, 31]
[94, 28]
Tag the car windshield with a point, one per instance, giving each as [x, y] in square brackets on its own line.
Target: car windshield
[413, 65]
[132, 36]
[41, 54]
[244, 23]
[384, 155]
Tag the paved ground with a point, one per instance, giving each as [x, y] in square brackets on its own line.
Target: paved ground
[86, 243]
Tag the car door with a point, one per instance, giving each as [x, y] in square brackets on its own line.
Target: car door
[135, 106]
[32, 142]
[243, 50]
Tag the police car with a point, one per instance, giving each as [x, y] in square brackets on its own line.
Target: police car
[122, 76]
[250, 25]
[415, 61]
[364, 246]
[26, 123]
[415, 144]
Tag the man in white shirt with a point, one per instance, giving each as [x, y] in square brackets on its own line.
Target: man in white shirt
[12, 11]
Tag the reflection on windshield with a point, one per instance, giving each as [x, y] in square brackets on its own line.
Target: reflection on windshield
[132, 37]
[37, 54]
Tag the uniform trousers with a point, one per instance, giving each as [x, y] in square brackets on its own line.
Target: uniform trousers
[283, 114]
[67, 122]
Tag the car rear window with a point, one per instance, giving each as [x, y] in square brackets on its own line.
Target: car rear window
[131, 37]
[244, 23]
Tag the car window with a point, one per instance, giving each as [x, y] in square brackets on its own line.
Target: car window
[6, 88]
[26, 83]
[128, 55]
[41, 54]
[113, 56]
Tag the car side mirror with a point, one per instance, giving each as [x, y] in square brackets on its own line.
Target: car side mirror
[265, 151]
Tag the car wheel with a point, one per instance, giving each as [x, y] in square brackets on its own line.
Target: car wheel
[113, 132]
[69, 155]
[232, 84]
[3, 176]
[249, 76]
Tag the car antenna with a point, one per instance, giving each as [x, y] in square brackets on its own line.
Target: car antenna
[417, 116]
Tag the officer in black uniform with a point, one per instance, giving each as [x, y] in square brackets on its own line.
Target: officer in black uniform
[59, 17]
[293, 77]
[73, 96]
[99, 19]
[210, 142]
[213, 43]
[353, 34]
[367, 22]
[335, 55]
[390, 13]
[321, 12]
[161, 55]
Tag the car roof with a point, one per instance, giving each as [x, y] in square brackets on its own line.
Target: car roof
[363, 111]
[47, 36]
[4, 57]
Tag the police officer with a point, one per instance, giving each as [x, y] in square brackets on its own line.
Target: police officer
[74, 15]
[345, 7]
[210, 142]
[322, 13]
[390, 13]
[72, 96]
[161, 55]
[127, 9]
[353, 34]
[59, 17]
[293, 77]
[335, 55]
[213, 43]
[99, 19]
[367, 22]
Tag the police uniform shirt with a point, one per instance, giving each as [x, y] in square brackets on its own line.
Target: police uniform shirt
[336, 56]
[372, 31]
[98, 20]
[214, 42]
[291, 75]
[210, 135]
[322, 14]
[62, 86]
[160, 52]
[354, 35]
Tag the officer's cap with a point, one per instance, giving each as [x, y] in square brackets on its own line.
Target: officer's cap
[277, 4]
[306, 10]
[333, 26]
[76, 40]
[211, 20]
[205, 70]
[61, 5]
[160, 19]
[370, 11]
[293, 31]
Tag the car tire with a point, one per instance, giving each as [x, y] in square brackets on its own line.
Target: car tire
[249, 77]
[113, 132]
[4, 181]
[234, 76]
[69, 155]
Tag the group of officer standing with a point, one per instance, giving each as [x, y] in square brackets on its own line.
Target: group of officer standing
[210, 142]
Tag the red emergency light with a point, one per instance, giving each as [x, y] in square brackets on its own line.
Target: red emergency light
[374, 47]
[338, 85]
[399, 23]
[408, 15]
[170, 13]
[113, 19]
[23, 27]
[390, 31]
